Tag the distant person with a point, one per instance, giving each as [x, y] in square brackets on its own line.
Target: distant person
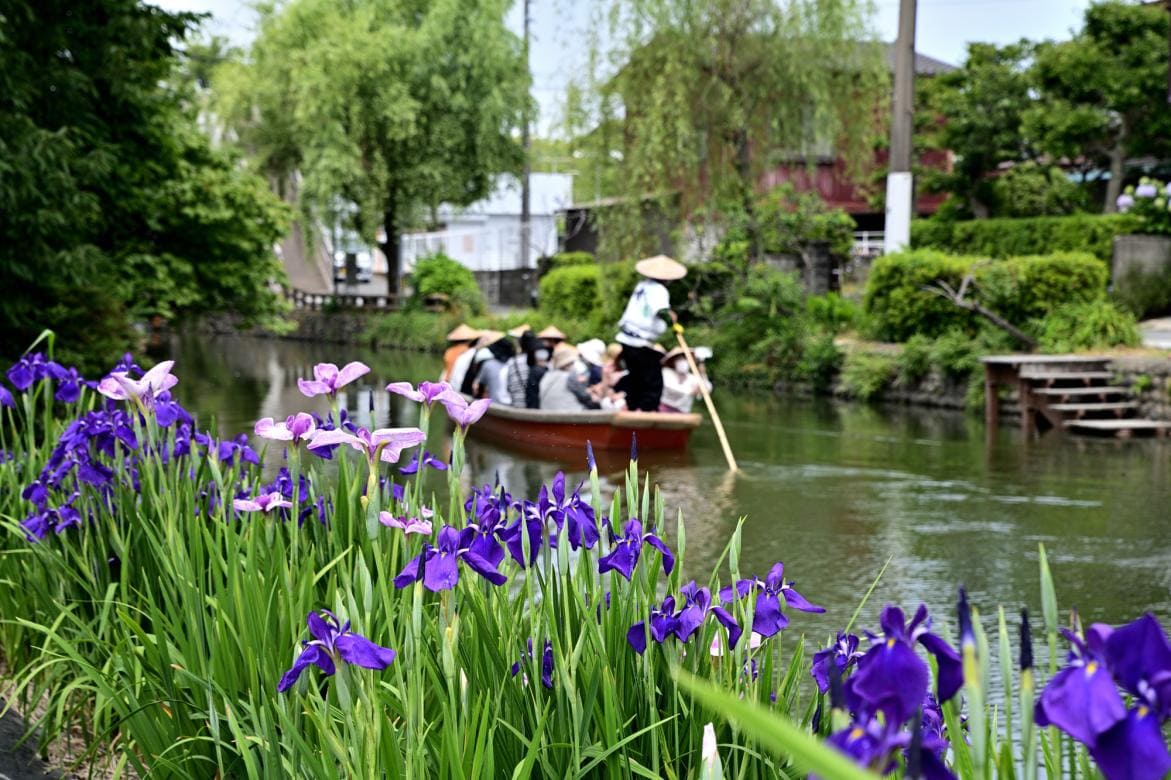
[680, 386]
[519, 365]
[538, 366]
[593, 353]
[647, 315]
[460, 340]
[561, 388]
[552, 336]
[491, 380]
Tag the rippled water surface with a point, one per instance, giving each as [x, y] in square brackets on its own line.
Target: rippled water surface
[833, 490]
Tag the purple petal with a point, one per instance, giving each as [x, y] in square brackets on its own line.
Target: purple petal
[636, 636]
[409, 574]
[796, 601]
[360, 651]
[1139, 652]
[729, 622]
[440, 572]
[768, 619]
[951, 666]
[1133, 749]
[1081, 701]
[350, 372]
[621, 559]
[668, 556]
[310, 387]
[312, 655]
[405, 390]
[891, 679]
[482, 567]
[321, 630]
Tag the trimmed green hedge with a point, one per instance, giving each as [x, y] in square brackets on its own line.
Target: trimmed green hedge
[1014, 237]
[571, 291]
[1020, 289]
[566, 259]
[442, 275]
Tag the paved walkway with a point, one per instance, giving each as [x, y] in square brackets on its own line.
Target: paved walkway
[1156, 333]
[19, 763]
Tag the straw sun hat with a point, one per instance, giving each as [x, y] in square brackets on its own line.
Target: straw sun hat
[563, 356]
[662, 268]
[519, 330]
[489, 337]
[552, 333]
[463, 333]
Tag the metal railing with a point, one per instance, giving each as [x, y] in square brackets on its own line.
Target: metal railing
[342, 301]
[868, 243]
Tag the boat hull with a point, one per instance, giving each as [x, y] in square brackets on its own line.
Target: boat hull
[537, 431]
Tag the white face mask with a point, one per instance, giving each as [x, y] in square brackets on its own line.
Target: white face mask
[542, 355]
[579, 367]
[681, 365]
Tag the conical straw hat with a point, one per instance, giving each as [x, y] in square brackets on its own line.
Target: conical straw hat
[488, 338]
[551, 332]
[463, 333]
[661, 267]
[519, 330]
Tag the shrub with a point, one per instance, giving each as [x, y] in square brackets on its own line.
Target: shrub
[955, 354]
[441, 275]
[566, 259]
[1088, 325]
[1019, 289]
[616, 283]
[820, 361]
[572, 291]
[1009, 237]
[914, 362]
[1144, 294]
[410, 329]
[866, 374]
[1148, 202]
[832, 312]
[1032, 190]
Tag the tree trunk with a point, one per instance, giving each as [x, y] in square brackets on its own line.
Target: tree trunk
[1114, 186]
[390, 248]
[748, 196]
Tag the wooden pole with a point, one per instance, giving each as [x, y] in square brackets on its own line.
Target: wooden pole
[707, 399]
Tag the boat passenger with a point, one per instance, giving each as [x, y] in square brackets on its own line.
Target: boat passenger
[561, 389]
[462, 365]
[491, 381]
[680, 386]
[481, 354]
[461, 341]
[647, 315]
[593, 353]
[552, 336]
[519, 365]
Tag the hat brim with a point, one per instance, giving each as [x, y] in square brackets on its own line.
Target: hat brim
[662, 268]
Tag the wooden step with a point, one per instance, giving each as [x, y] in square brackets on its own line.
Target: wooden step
[1096, 390]
[1080, 410]
[1079, 376]
[1123, 429]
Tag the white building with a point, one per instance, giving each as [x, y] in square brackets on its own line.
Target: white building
[486, 236]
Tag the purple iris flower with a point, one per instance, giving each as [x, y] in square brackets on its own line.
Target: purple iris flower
[591, 464]
[528, 524]
[697, 607]
[295, 428]
[624, 554]
[408, 525]
[461, 412]
[328, 379]
[553, 505]
[229, 451]
[6, 398]
[69, 382]
[546, 663]
[120, 386]
[892, 678]
[428, 392]
[428, 460]
[331, 644]
[437, 566]
[169, 411]
[874, 743]
[767, 618]
[1083, 700]
[487, 511]
[29, 369]
[842, 655]
[56, 519]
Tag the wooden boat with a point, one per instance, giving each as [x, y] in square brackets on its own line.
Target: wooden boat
[536, 430]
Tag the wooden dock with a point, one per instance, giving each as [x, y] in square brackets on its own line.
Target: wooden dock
[1073, 393]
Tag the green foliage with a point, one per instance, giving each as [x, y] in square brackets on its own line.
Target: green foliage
[1149, 203]
[389, 106]
[1032, 190]
[1088, 325]
[1018, 288]
[117, 208]
[565, 259]
[914, 362]
[865, 375]
[411, 328]
[791, 220]
[706, 106]
[832, 312]
[441, 275]
[1146, 295]
[955, 354]
[571, 291]
[616, 283]
[1142, 383]
[820, 361]
[1026, 236]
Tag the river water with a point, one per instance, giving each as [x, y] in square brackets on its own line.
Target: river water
[833, 490]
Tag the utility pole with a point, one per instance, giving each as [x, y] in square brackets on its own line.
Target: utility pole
[900, 188]
[526, 143]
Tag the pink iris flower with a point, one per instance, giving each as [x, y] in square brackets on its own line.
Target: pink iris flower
[328, 379]
[295, 428]
[120, 386]
[428, 392]
[408, 525]
[460, 411]
[262, 503]
[385, 444]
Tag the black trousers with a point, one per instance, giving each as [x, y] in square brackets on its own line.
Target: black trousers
[643, 383]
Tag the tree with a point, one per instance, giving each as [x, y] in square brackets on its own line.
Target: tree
[981, 108]
[711, 94]
[115, 208]
[1102, 95]
[394, 106]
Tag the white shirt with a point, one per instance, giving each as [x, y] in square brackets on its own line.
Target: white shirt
[679, 391]
[641, 324]
[459, 369]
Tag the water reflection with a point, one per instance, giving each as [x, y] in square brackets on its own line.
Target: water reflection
[833, 490]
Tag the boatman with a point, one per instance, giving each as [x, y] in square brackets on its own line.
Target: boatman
[647, 315]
